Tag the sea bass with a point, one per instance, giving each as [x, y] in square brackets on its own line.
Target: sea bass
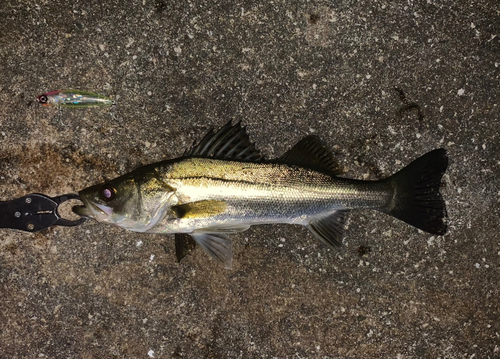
[223, 185]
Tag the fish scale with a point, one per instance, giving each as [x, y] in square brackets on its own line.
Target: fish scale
[269, 187]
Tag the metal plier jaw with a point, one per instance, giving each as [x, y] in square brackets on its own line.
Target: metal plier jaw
[35, 212]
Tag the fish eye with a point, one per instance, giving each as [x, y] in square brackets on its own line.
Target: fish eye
[107, 192]
[42, 99]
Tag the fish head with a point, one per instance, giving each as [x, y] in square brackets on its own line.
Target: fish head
[135, 201]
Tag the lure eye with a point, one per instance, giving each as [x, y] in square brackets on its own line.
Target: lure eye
[107, 192]
[42, 99]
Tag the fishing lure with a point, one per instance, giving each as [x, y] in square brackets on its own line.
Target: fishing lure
[73, 98]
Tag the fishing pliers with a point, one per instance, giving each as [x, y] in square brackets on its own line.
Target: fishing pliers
[35, 212]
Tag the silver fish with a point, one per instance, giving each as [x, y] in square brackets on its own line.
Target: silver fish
[223, 185]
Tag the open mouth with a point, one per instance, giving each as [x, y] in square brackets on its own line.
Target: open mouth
[82, 211]
[92, 210]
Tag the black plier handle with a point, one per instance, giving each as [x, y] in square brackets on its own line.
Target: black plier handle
[35, 212]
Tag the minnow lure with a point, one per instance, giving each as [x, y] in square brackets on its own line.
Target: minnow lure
[73, 98]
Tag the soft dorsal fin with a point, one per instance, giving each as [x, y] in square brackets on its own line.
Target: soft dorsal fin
[311, 153]
[231, 142]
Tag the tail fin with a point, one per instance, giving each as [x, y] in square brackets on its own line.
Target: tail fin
[417, 200]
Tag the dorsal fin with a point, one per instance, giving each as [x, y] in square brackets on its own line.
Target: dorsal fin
[311, 153]
[231, 142]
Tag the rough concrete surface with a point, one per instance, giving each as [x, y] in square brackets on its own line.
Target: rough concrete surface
[286, 69]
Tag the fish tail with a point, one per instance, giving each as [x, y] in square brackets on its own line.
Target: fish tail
[417, 200]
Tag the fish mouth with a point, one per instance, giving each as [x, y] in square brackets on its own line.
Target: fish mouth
[92, 210]
[82, 211]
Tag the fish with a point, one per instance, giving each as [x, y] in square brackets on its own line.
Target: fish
[223, 185]
[73, 98]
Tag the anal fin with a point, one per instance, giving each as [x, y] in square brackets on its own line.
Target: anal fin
[330, 230]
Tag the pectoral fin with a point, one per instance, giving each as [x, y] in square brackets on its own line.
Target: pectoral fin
[330, 230]
[217, 245]
[199, 209]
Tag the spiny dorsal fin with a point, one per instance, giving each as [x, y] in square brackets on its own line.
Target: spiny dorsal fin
[311, 153]
[330, 230]
[231, 142]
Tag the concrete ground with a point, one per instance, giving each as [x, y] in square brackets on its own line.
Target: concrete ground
[286, 69]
